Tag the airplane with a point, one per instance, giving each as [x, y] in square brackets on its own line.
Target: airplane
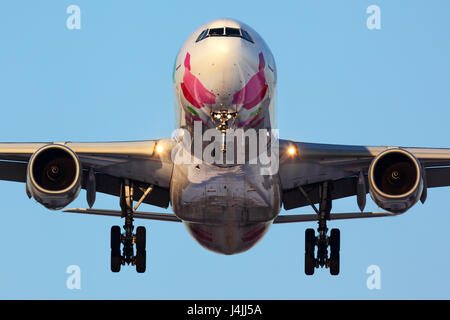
[224, 82]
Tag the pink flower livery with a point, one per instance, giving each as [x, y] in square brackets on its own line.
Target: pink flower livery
[255, 89]
[193, 89]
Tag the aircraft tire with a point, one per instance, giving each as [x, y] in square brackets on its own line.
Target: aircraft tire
[310, 243]
[335, 240]
[115, 238]
[310, 240]
[334, 264]
[116, 261]
[116, 258]
[141, 259]
[141, 238]
[335, 244]
[309, 264]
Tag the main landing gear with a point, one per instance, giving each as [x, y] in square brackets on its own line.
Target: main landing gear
[128, 239]
[322, 241]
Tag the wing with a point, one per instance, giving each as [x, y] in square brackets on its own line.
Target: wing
[144, 163]
[311, 164]
[136, 215]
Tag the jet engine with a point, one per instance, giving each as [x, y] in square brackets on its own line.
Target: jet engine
[395, 180]
[54, 176]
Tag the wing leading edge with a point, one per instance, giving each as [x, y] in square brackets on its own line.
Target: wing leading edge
[143, 162]
[312, 164]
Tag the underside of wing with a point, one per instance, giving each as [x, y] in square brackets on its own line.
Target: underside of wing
[334, 216]
[116, 213]
[94, 166]
[305, 166]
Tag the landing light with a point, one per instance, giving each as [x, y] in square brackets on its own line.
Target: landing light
[292, 151]
[159, 149]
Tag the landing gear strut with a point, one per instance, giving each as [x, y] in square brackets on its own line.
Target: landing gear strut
[322, 241]
[128, 239]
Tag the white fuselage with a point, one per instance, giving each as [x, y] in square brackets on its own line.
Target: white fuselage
[224, 66]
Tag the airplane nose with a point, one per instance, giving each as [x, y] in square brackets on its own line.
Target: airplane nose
[229, 68]
[224, 69]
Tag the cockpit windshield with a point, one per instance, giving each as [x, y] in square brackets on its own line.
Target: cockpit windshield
[224, 32]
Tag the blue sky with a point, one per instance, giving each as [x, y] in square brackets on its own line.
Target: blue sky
[338, 82]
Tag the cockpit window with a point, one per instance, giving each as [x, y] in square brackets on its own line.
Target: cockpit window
[216, 32]
[246, 36]
[202, 35]
[225, 32]
[232, 32]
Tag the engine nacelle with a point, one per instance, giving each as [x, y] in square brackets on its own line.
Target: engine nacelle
[395, 180]
[54, 176]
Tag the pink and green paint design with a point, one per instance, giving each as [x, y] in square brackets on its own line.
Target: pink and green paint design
[249, 96]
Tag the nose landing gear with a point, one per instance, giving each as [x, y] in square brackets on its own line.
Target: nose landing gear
[322, 241]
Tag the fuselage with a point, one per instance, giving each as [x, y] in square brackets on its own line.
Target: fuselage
[224, 69]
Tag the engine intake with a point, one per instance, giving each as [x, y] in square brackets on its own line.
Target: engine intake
[395, 180]
[54, 176]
